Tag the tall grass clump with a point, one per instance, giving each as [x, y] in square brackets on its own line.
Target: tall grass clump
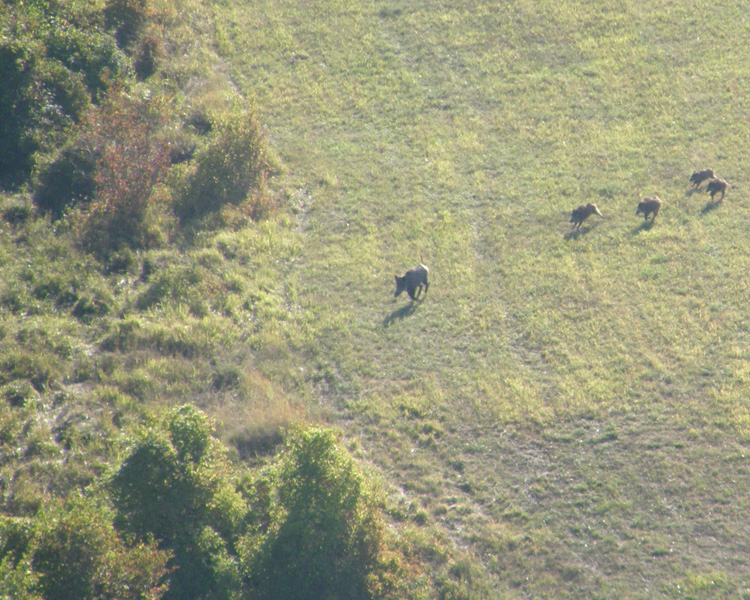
[231, 169]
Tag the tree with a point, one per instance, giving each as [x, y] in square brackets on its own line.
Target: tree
[319, 529]
[76, 554]
[174, 485]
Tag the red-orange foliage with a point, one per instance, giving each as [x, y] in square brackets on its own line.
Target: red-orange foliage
[124, 134]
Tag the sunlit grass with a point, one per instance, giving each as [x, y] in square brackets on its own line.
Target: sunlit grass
[462, 136]
[467, 146]
[568, 405]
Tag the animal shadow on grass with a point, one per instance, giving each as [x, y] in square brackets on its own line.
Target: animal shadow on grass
[400, 313]
[645, 226]
[710, 206]
[576, 233]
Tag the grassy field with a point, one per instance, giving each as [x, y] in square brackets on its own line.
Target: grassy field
[570, 407]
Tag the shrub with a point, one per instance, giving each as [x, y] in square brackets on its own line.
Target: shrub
[17, 579]
[149, 51]
[67, 90]
[17, 143]
[127, 18]
[321, 527]
[89, 52]
[231, 168]
[172, 486]
[78, 555]
[66, 181]
[54, 59]
[124, 135]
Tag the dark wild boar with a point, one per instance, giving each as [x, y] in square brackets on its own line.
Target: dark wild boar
[700, 176]
[649, 206]
[715, 186]
[583, 212]
[412, 281]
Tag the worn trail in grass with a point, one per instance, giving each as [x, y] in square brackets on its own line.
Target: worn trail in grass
[464, 133]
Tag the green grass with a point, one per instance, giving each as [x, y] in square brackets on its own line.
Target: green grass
[465, 136]
[565, 405]
[568, 409]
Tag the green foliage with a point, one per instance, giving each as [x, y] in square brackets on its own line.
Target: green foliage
[172, 486]
[147, 56]
[230, 169]
[86, 51]
[66, 181]
[16, 117]
[40, 369]
[77, 554]
[179, 283]
[71, 551]
[17, 576]
[18, 580]
[465, 580]
[320, 530]
[54, 60]
[18, 392]
[190, 434]
[127, 18]
[15, 535]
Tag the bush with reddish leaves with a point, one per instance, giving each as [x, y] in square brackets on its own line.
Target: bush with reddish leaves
[132, 158]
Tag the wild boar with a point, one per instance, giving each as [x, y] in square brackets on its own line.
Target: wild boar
[700, 176]
[648, 206]
[412, 281]
[715, 186]
[583, 212]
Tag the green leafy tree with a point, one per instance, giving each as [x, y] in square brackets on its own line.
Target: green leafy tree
[319, 534]
[17, 578]
[175, 485]
[71, 550]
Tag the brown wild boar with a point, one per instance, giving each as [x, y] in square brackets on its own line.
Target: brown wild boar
[412, 281]
[583, 212]
[715, 186]
[648, 206]
[700, 176]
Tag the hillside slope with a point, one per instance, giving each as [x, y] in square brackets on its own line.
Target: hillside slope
[572, 407]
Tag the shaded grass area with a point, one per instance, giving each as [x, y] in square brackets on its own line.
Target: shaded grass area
[463, 134]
